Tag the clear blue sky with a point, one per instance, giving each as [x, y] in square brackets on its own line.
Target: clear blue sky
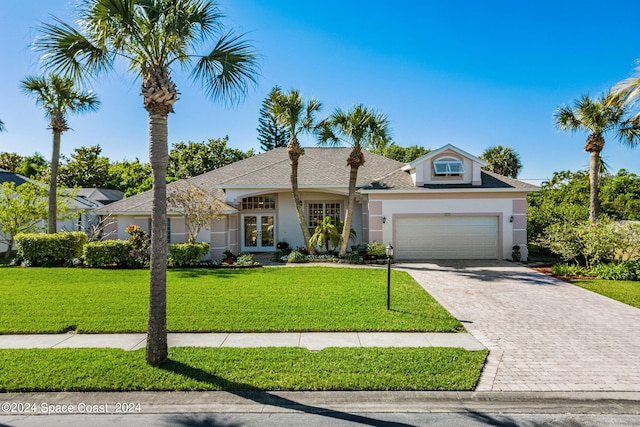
[470, 73]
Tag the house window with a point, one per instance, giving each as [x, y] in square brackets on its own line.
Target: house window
[448, 167]
[168, 228]
[317, 211]
[259, 203]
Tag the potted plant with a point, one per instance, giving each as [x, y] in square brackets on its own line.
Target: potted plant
[516, 256]
[228, 257]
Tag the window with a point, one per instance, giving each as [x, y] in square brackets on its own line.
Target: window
[259, 202]
[317, 212]
[448, 167]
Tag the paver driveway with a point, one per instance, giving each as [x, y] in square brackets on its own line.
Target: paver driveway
[544, 334]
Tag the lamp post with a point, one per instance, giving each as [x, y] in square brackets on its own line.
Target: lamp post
[389, 251]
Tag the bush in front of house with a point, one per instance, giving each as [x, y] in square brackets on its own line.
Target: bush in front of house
[187, 254]
[245, 259]
[107, 253]
[625, 270]
[49, 250]
[376, 249]
[296, 256]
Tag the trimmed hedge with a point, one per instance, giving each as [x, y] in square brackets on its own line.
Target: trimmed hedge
[187, 254]
[39, 249]
[107, 252]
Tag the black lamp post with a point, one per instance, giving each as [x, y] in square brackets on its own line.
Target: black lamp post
[389, 251]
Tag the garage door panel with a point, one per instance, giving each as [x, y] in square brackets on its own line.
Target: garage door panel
[447, 238]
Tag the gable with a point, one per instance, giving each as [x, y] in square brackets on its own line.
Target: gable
[446, 165]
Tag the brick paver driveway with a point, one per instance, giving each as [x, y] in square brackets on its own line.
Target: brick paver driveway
[544, 334]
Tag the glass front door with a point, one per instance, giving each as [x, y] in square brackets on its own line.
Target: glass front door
[258, 233]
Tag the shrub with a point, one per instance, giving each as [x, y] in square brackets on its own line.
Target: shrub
[568, 270]
[591, 243]
[376, 249]
[245, 259]
[49, 250]
[187, 254]
[352, 257]
[626, 270]
[296, 256]
[107, 252]
[139, 240]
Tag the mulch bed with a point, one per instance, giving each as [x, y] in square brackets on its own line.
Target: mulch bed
[546, 269]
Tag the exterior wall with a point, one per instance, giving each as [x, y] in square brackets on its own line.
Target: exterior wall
[502, 205]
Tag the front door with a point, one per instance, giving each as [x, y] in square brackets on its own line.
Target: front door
[258, 233]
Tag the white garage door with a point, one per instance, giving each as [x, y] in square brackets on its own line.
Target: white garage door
[447, 238]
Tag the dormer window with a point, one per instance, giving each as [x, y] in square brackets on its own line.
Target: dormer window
[448, 167]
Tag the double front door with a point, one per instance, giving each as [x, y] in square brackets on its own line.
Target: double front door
[258, 233]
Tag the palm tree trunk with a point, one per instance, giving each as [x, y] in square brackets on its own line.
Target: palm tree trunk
[348, 218]
[594, 201]
[157, 350]
[296, 201]
[52, 224]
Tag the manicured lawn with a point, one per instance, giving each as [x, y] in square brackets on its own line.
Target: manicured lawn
[41, 300]
[241, 369]
[626, 292]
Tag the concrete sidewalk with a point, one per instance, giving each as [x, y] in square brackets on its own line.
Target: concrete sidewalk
[310, 340]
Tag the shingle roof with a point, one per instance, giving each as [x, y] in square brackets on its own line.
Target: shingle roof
[102, 195]
[17, 179]
[318, 167]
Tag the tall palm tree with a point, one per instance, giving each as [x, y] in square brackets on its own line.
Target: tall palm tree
[598, 117]
[296, 116]
[2, 127]
[153, 37]
[58, 96]
[502, 160]
[628, 91]
[361, 128]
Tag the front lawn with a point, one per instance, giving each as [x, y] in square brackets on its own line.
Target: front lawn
[241, 369]
[53, 300]
[623, 291]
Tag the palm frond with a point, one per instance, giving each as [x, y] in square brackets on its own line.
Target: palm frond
[67, 52]
[228, 69]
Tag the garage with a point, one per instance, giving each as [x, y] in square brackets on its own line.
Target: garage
[447, 237]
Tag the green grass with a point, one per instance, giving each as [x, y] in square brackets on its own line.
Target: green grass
[623, 291]
[241, 369]
[41, 300]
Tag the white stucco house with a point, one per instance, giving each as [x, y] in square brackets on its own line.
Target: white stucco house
[440, 206]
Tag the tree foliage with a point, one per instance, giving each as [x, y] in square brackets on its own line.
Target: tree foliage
[189, 159]
[130, 177]
[198, 206]
[271, 133]
[21, 209]
[564, 199]
[85, 169]
[34, 167]
[10, 161]
[502, 160]
[403, 154]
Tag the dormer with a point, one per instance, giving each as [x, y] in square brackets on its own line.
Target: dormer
[448, 165]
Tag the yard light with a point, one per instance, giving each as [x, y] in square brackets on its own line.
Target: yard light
[389, 251]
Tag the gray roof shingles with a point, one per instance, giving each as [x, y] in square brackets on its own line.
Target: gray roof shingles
[318, 167]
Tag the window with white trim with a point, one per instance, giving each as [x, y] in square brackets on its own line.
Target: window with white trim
[317, 211]
[448, 167]
[266, 202]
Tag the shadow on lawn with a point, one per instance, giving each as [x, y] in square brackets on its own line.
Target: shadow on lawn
[247, 391]
[214, 273]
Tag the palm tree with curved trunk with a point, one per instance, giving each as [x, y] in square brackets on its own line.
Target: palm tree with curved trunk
[598, 117]
[502, 160]
[296, 116]
[153, 37]
[58, 96]
[361, 127]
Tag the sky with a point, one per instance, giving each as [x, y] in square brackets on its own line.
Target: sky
[469, 73]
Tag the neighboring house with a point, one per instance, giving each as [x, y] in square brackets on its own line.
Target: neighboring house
[85, 201]
[440, 206]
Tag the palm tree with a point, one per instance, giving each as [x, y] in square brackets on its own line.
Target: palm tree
[58, 96]
[628, 91]
[297, 116]
[153, 37]
[361, 128]
[2, 128]
[598, 117]
[325, 234]
[502, 160]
